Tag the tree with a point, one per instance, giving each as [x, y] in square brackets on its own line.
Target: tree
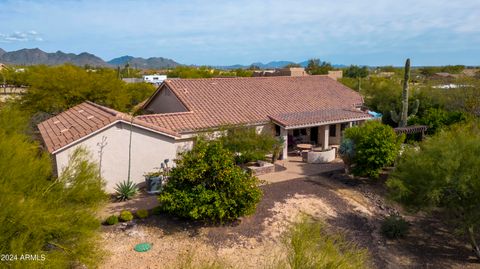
[444, 174]
[42, 214]
[354, 71]
[292, 65]
[54, 89]
[317, 67]
[206, 184]
[247, 144]
[375, 146]
[437, 118]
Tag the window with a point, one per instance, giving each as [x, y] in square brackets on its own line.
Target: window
[277, 130]
[299, 132]
[343, 126]
[333, 130]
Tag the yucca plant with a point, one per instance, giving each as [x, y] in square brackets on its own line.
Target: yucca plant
[126, 190]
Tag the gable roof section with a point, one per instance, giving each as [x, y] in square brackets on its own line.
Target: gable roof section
[85, 119]
[323, 116]
[220, 101]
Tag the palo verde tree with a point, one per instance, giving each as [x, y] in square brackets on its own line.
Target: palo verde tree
[207, 185]
[443, 175]
[42, 214]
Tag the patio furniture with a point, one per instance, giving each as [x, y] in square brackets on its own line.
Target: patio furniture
[304, 146]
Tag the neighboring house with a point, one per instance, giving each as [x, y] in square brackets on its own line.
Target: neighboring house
[311, 109]
[154, 79]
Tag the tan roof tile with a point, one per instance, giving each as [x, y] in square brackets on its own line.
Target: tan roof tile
[219, 101]
[76, 123]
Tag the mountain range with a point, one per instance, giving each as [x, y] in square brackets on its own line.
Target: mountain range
[37, 56]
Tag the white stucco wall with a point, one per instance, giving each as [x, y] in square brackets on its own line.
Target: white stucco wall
[148, 150]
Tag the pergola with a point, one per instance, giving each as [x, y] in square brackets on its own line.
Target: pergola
[414, 129]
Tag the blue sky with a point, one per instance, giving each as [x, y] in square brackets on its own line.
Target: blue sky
[371, 32]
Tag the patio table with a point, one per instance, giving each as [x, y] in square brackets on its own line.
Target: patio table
[304, 146]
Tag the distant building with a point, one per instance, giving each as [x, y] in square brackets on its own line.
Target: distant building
[154, 79]
[132, 80]
[385, 74]
[293, 72]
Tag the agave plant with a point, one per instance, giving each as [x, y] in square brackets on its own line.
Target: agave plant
[126, 190]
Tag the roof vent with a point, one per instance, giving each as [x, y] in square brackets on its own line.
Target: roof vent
[56, 122]
[64, 130]
[81, 111]
[90, 117]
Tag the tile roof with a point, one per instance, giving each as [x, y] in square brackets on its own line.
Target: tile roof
[82, 120]
[321, 116]
[219, 101]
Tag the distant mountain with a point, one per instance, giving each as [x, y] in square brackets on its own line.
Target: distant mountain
[150, 63]
[37, 56]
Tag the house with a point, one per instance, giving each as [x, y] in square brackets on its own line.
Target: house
[311, 109]
[154, 79]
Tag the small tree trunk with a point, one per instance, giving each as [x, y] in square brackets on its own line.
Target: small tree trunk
[473, 242]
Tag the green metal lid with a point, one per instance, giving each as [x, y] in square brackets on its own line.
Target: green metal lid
[142, 247]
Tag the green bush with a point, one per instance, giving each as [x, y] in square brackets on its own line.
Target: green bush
[126, 190]
[375, 146]
[248, 145]
[112, 220]
[207, 185]
[126, 215]
[157, 210]
[394, 227]
[444, 173]
[142, 213]
[310, 245]
[436, 119]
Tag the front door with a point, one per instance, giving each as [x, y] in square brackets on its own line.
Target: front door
[314, 135]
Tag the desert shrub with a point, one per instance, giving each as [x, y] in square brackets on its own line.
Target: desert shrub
[310, 245]
[42, 214]
[394, 227]
[112, 220]
[157, 210]
[376, 145]
[443, 174]
[207, 185]
[126, 215]
[249, 145]
[436, 118]
[142, 213]
[126, 190]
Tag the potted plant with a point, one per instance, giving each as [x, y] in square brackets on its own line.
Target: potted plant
[153, 181]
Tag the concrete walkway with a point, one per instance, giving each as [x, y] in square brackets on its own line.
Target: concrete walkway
[296, 168]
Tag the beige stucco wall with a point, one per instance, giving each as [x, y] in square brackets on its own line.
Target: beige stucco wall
[165, 102]
[149, 149]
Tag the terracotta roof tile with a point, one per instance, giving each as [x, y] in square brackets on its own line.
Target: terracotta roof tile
[219, 101]
[76, 122]
[319, 117]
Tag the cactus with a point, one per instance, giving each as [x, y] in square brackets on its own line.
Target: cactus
[402, 118]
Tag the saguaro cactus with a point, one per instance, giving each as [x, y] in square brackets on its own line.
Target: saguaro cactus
[402, 117]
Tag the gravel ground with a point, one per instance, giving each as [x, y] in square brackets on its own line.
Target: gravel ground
[255, 241]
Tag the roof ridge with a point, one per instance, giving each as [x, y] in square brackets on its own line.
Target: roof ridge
[165, 114]
[245, 78]
[104, 108]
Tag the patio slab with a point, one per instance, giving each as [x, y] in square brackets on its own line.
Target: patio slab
[296, 168]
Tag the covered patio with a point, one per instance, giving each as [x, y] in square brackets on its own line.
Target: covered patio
[316, 135]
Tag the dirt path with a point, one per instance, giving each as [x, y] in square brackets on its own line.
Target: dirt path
[255, 241]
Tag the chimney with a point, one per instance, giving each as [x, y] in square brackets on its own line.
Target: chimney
[336, 74]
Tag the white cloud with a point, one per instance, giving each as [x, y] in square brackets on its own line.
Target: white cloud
[19, 36]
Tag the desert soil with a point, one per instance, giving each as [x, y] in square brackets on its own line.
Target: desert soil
[256, 241]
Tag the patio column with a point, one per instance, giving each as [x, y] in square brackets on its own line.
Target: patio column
[326, 136]
[284, 135]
